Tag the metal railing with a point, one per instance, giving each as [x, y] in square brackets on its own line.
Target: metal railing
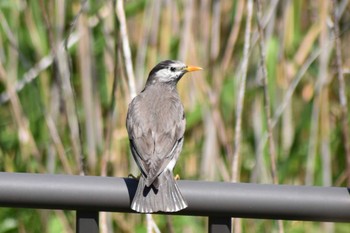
[88, 195]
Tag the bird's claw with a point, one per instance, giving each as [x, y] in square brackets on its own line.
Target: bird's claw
[177, 177]
[134, 177]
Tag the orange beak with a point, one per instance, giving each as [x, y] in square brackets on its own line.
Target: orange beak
[193, 68]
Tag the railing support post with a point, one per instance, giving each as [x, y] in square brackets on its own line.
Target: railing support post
[219, 224]
[87, 222]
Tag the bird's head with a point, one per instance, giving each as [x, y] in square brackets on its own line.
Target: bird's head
[169, 71]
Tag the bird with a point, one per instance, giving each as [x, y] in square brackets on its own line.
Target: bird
[155, 124]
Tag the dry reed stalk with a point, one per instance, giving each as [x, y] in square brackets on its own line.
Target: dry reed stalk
[61, 59]
[321, 108]
[324, 112]
[235, 169]
[325, 145]
[165, 31]
[342, 88]
[170, 224]
[126, 48]
[186, 32]
[25, 136]
[289, 93]
[265, 20]
[85, 70]
[47, 60]
[34, 72]
[204, 33]
[312, 148]
[151, 225]
[260, 173]
[226, 60]
[55, 137]
[210, 148]
[241, 92]
[111, 58]
[111, 31]
[215, 32]
[70, 107]
[123, 224]
[143, 44]
[63, 63]
[126, 61]
[272, 149]
[68, 228]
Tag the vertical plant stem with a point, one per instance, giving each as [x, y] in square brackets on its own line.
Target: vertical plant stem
[112, 107]
[272, 149]
[186, 31]
[143, 43]
[71, 112]
[313, 138]
[111, 24]
[237, 223]
[126, 48]
[63, 64]
[61, 61]
[85, 66]
[324, 92]
[342, 95]
[47, 25]
[210, 148]
[287, 123]
[151, 225]
[215, 31]
[58, 143]
[260, 174]
[319, 135]
[170, 224]
[24, 135]
[266, 94]
[241, 92]
[127, 61]
[65, 223]
[204, 17]
[265, 20]
[289, 93]
[226, 60]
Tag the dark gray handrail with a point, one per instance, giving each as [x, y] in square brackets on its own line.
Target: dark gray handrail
[219, 199]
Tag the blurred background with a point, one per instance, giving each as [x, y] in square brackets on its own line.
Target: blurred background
[68, 70]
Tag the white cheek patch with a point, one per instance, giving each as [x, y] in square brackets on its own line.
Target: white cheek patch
[164, 75]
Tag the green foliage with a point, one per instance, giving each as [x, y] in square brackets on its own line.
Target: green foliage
[55, 225]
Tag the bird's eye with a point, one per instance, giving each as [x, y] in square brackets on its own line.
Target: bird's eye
[172, 69]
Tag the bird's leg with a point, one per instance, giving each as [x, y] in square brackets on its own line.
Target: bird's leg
[177, 177]
[134, 177]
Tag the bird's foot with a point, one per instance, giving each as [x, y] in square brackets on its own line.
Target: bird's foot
[177, 177]
[134, 177]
